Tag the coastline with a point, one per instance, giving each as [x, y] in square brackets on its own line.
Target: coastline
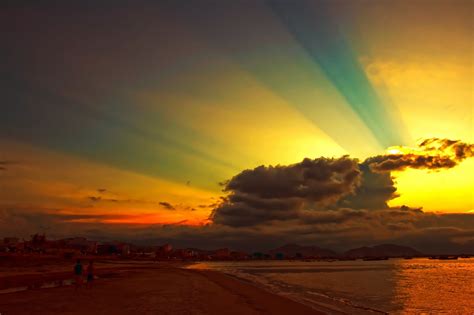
[320, 307]
[319, 302]
[150, 288]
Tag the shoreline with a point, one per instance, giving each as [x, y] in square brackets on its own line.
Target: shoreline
[322, 303]
[149, 288]
[320, 308]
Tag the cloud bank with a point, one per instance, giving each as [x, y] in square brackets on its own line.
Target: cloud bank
[338, 203]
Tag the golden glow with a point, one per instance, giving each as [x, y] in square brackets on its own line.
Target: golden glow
[448, 190]
[65, 185]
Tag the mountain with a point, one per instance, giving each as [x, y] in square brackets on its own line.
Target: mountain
[384, 250]
[294, 250]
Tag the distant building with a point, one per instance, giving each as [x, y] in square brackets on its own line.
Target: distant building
[164, 252]
[257, 255]
[80, 244]
[11, 244]
[183, 253]
[114, 248]
[238, 255]
[279, 256]
[10, 240]
[222, 253]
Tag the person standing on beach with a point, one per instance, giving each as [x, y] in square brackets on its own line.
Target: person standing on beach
[78, 274]
[90, 273]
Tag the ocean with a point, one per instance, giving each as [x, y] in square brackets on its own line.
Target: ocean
[395, 286]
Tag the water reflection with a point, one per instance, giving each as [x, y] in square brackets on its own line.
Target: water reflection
[395, 286]
[435, 286]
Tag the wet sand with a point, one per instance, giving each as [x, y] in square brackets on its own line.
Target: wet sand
[153, 289]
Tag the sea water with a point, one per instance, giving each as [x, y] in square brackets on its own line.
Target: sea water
[395, 286]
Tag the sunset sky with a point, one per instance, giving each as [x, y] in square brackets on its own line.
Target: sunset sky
[134, 119]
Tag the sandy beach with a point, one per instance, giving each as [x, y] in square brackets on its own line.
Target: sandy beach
[150, 289]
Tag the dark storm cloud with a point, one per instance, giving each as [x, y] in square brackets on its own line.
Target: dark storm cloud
[433, 153]
[375, 190]
[320, 179]
[242, 210]
[280, 192]
[167, 205]
[337, 216]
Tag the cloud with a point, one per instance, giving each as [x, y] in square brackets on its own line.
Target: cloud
[433, 153]
[398, 162]
[374, 191]
[320, 179]
[334, 203]
[460, 149]
[278, 202]
[115, 200]
[4, 164]
[167, 205]
[339, 229]
[280, 192]
[377, 186]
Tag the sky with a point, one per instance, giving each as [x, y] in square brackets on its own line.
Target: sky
[213, 123]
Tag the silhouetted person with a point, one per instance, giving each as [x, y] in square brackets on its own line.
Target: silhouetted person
[78, 274]
[90, 273]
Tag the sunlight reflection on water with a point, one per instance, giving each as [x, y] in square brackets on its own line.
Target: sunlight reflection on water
[395, 286]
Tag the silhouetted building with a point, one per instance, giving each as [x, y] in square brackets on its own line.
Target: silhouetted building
[114, 248]
[164, 252]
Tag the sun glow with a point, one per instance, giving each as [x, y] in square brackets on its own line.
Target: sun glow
[398, 150]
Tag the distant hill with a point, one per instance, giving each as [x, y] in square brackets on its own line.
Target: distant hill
[294, 250]
[384, 250]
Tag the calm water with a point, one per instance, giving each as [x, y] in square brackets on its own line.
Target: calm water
[396, 286]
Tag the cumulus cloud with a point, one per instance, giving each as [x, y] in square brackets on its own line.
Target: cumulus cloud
[278, 201]
[280, 192]
[374, 191]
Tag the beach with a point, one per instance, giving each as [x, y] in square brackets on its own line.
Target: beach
[43, 285]
[150, 288]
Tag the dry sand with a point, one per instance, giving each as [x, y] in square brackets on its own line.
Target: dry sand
[153, 289]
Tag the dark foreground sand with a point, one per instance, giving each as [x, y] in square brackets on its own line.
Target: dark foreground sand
[154, 290]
